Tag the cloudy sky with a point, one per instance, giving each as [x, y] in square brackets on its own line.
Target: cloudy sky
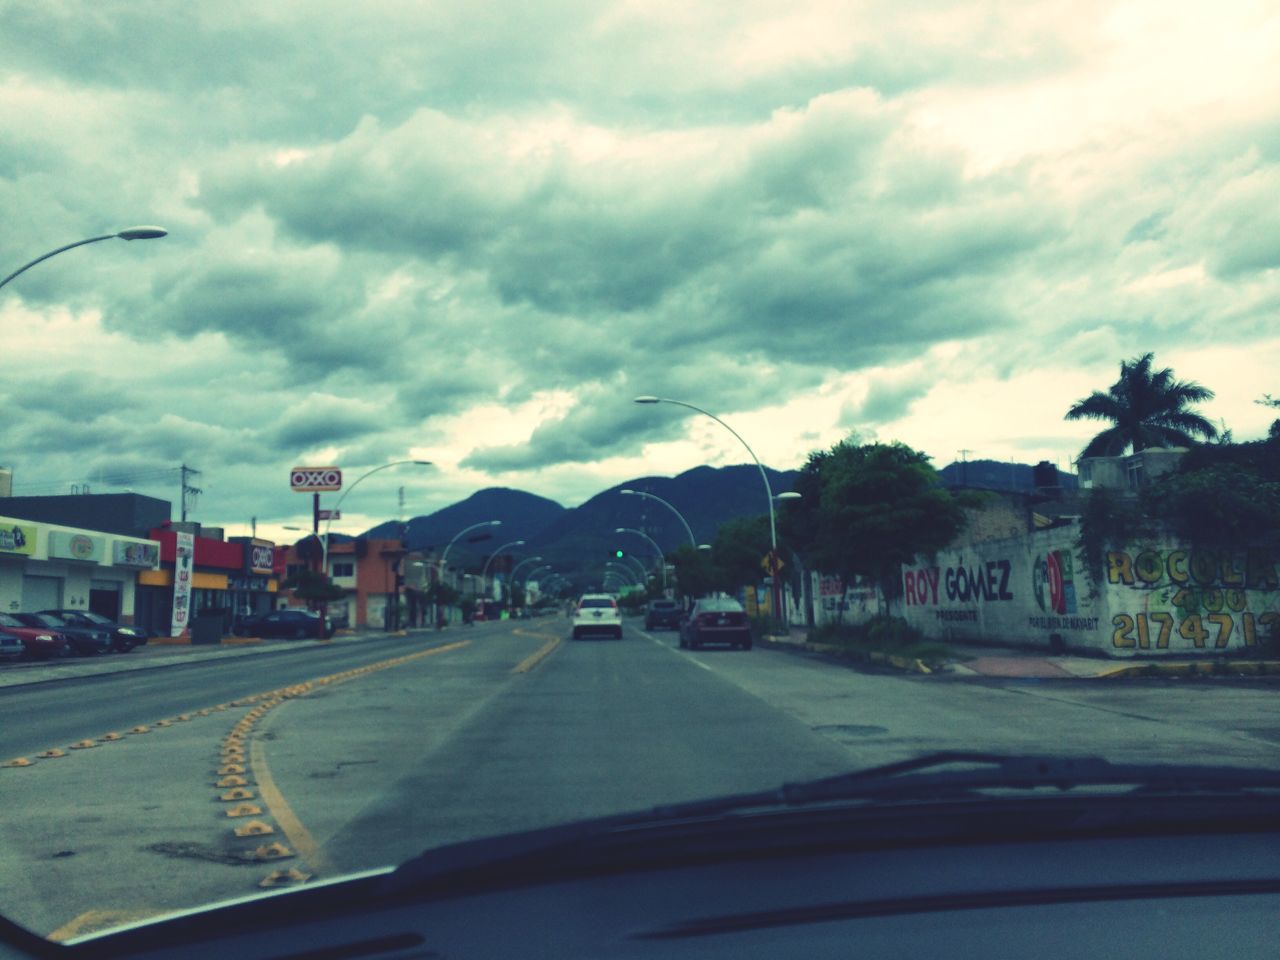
[472, 232]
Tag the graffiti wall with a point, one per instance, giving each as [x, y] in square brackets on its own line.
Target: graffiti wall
[1016, 591]
[1170, 598]
[1153, 600]
[835, 601]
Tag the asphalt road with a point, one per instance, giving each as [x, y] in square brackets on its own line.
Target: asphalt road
[402, 744]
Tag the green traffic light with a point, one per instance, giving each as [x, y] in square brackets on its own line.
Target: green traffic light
[618, 554]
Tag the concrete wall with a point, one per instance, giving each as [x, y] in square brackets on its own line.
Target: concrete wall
[1155, 599]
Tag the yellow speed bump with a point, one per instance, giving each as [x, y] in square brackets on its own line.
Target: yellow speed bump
[83, 745]
[18, 762]
[110, 737]
[273, 851]
[227, 768]
[232, 782]
[140, 728]
[164, 723]
[284, 878]
[245, 810]
[239, 793]
[51, 754]
[183, 717]
[254, 828]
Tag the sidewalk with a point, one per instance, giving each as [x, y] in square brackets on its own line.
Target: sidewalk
[156, 655]
[977, 662]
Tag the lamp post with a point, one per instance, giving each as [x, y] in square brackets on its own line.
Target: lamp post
[130, 233]
[484, 572]
[324, 552]
[631, 574]
[444, 557]
[662, 557]
[693, 541]
[768, 488]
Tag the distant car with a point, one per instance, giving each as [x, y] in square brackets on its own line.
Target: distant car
[716, 620]
[85, 641]
[123, 638]
[289, 624]
[11, 646]
[597, 614]
[663, 613]
[38, 643]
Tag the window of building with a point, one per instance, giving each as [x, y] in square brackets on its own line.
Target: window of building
[295, 569]
[344, 569]
[1135, 474]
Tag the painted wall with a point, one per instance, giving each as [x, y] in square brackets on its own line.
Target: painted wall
[1159, 599]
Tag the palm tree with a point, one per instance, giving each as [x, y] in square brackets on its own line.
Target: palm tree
[1148, 409]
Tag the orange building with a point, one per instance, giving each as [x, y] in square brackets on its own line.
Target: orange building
[370, 573]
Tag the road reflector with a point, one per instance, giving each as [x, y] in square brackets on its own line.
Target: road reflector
[183, 717]
[273, 851]
[83, 745]
[239, 793]
[245, 810]
[230, 768]
[51, 754]
[254, 828]
[140, 728]
[232, 782]
[204, 713]
[164, 723]
[109, 737]
[284, 878]
[18, 762]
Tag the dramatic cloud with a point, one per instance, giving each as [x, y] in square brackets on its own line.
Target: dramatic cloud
[474, 232]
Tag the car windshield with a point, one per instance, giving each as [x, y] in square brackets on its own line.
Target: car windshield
[44, 620]
[8, 621]
[385, 369]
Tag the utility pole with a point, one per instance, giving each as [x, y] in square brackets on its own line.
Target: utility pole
[189, 493]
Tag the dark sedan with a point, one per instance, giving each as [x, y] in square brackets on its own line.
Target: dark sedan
[85, 641]
[290, 624]
[716, 620]
[663, 613]
[123, 638]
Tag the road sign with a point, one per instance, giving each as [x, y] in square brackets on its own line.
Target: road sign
[330, 514]
[315, 479]
[771, 564]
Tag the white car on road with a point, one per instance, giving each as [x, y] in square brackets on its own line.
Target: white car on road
[598, 614]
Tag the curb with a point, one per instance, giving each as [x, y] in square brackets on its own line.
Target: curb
[905, 664]
[1205, 668]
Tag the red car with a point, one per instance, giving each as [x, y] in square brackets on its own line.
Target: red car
[39, 643]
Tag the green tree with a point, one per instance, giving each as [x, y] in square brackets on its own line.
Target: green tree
[866, 509]
[696, 575]
[1147, 408]
[313, 587]
[738, 550]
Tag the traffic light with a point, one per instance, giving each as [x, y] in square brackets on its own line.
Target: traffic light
[618, 554]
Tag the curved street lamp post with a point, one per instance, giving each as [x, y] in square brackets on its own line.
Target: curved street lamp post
[687, 529]
[442, 563]
[130, 233]
[484, 571]
[768, 488]
[662, 557]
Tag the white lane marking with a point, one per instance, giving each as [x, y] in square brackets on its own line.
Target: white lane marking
[676, 650]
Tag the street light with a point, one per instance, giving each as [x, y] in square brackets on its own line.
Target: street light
[130, 233]
[768, 488]
[662, 557]
[484, 572]
[324, 552]
[631, 574]
[521, 564]
[693, 541]
[444, 557]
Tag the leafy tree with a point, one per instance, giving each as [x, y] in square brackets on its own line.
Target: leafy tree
[313, 587]
[737, 551]
[866, 509]
[696, 575]
[1147, 409]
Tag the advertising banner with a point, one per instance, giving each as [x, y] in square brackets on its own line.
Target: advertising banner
[259, 558]
[184, 557]
[315, 479]
[76, 546]
[132, 553]
[18, 538]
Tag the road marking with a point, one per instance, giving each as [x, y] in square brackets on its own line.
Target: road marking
[298, 835]
[91, 921]
[677, 650]
[535, 658]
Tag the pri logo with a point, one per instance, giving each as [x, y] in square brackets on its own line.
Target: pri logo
[1053, 582]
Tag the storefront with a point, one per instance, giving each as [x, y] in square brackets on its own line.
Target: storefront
[254, 589]
[46, 567]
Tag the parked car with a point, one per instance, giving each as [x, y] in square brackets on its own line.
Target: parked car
[38, 643]
[289, 624]
[85, 641]
[123, 638]
[663, 613]
[11, 646]
[597, 613]
[716, 620]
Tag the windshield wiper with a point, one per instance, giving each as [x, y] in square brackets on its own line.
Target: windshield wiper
[918, 779]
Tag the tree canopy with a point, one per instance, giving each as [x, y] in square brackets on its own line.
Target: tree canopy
[1147, 408]
[864, 509]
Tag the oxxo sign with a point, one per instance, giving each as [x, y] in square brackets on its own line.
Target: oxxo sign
[315, 479]
[260, 558]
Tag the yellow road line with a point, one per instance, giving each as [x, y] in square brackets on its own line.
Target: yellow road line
[535, 658]
[91, 921]
[303, 843]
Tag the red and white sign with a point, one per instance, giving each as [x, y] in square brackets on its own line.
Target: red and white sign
[315, 479]
[184, 560]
